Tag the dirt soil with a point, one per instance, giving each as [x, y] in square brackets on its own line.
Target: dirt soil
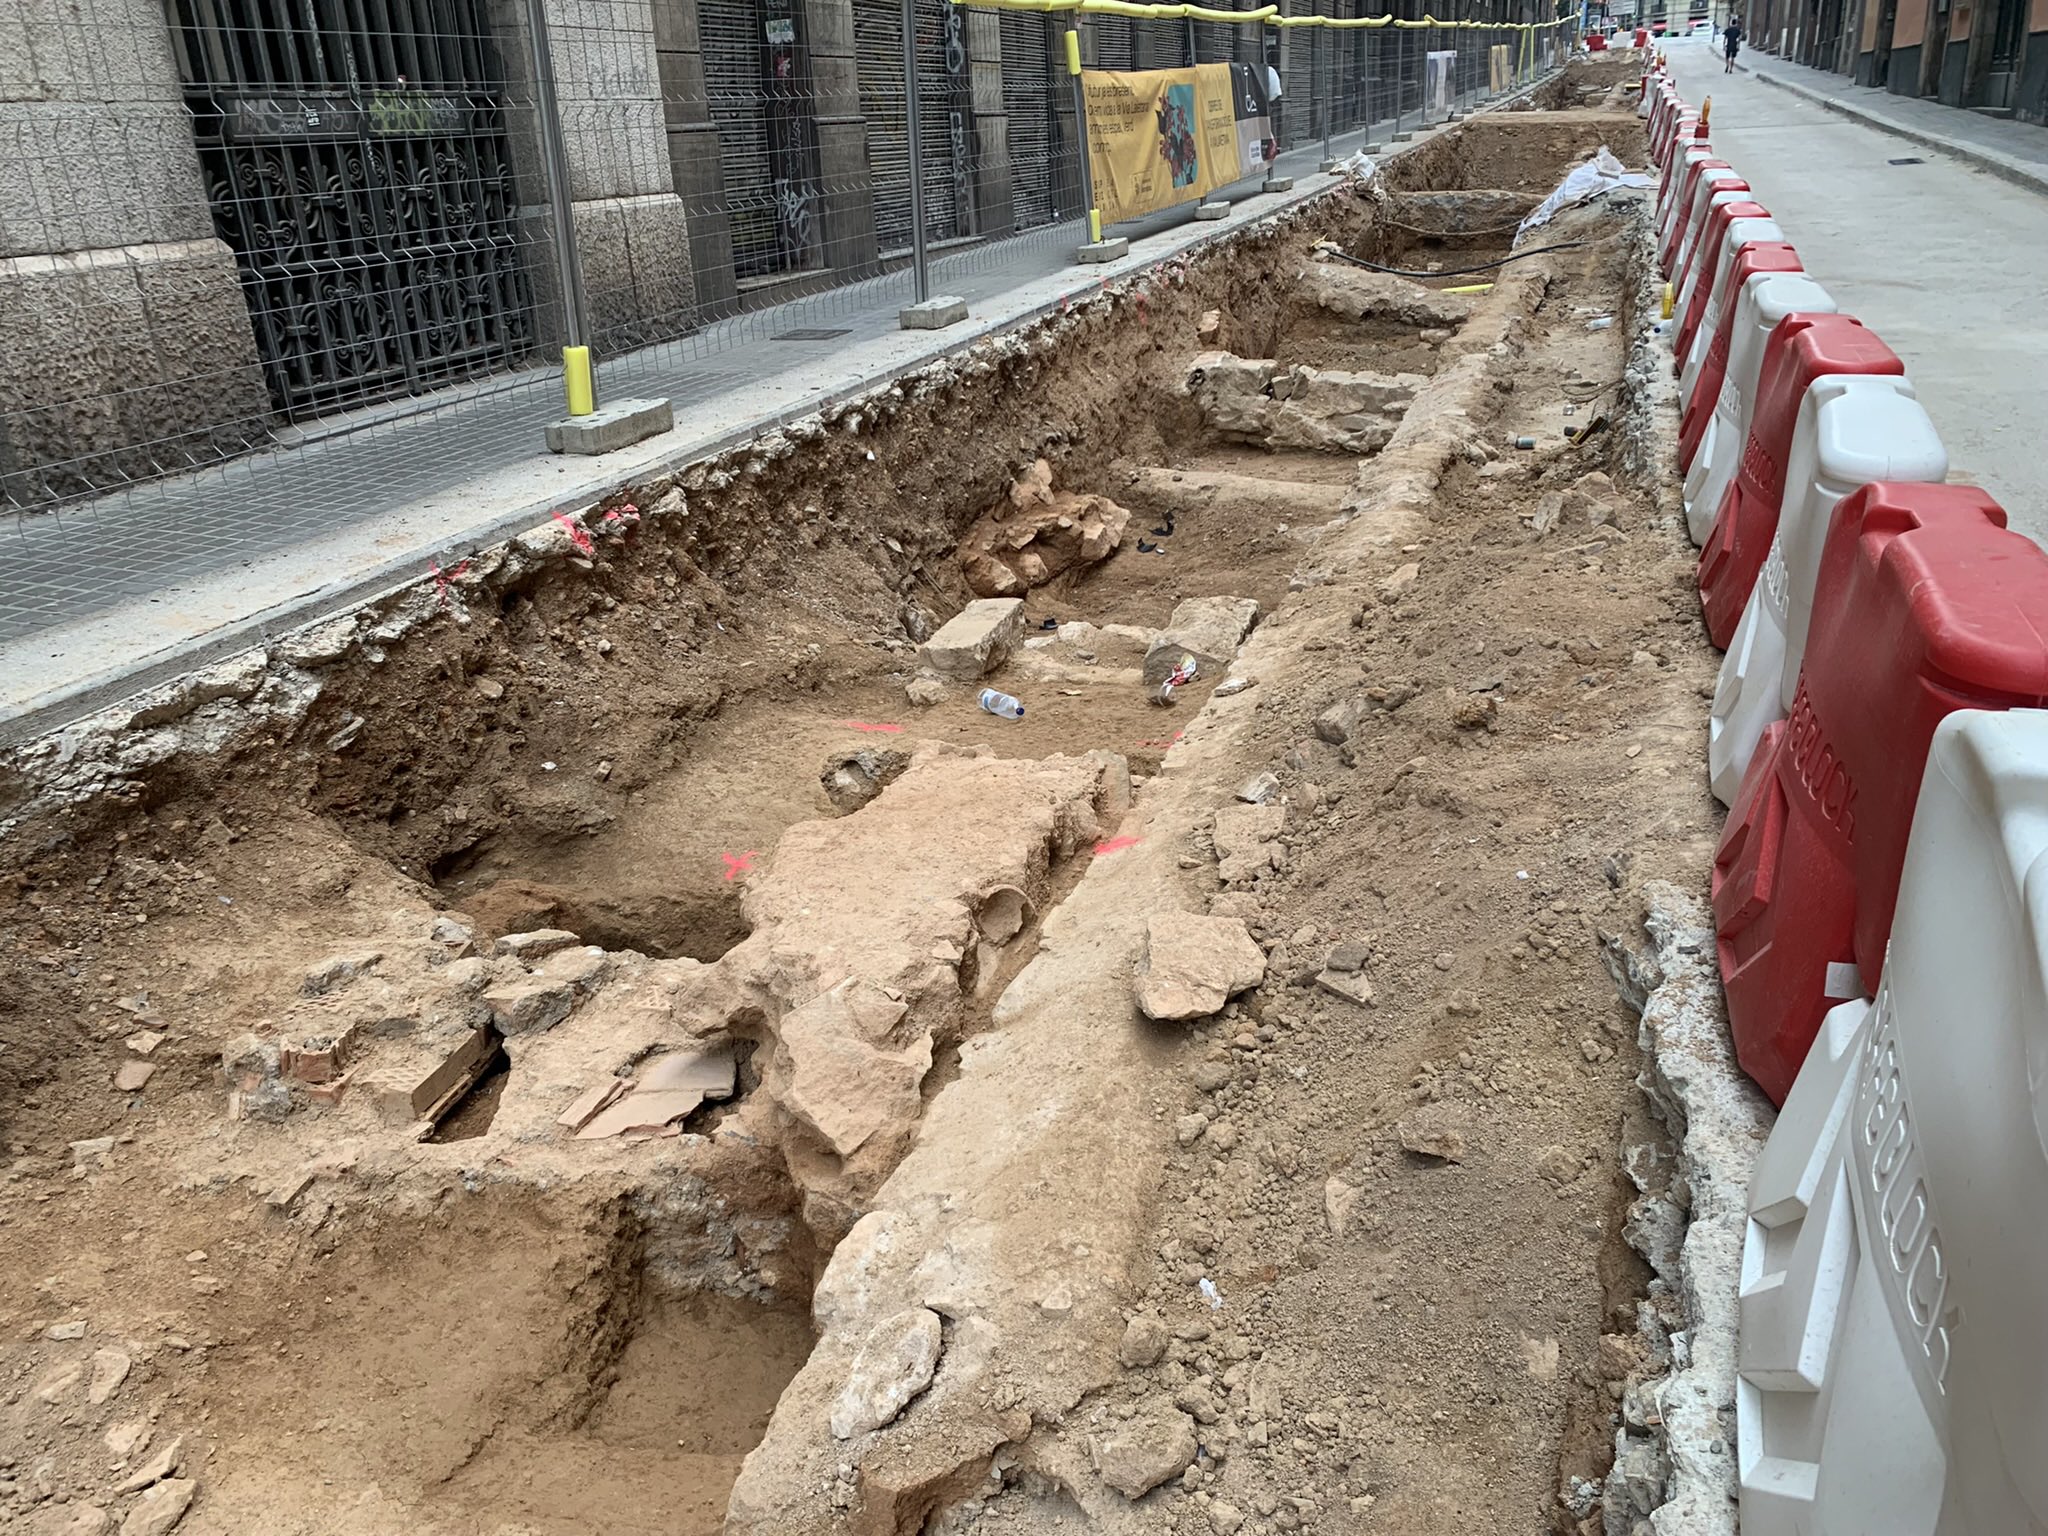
[1411, 1206]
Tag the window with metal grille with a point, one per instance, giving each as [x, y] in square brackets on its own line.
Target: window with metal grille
[357, 163]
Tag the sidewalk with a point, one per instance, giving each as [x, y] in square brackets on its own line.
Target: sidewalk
[2016, 151]
[101, 599]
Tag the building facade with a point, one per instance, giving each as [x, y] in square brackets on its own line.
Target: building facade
[1988, 56]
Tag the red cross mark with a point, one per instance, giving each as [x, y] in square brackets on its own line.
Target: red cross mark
[1115, 844]
[737, 864]
[444, 579]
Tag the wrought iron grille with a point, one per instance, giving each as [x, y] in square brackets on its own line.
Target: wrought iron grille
[360, 169]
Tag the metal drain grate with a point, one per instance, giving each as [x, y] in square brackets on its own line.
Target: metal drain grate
[812, 334]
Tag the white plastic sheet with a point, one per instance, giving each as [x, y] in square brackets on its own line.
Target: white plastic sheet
[1602, 173]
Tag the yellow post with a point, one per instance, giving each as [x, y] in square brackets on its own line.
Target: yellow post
[1095, 225]
[1670, 301]
[577, 382]
[1073, 53]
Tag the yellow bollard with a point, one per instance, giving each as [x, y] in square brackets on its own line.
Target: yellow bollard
[1073, 53]
[577, 382]
[1095, 225]
[1670, 301]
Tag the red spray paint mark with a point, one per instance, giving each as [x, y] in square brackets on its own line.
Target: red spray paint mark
[737, 864]
[1170, 741]
[577, 535]
[875, 726]
[443, 579]
[1115, 844]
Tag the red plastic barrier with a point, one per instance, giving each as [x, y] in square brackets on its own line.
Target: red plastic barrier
[1642, 37]
[1801, 349]
[1711, 273]
[1704, 251]
[1759, 256]
[1925, 604]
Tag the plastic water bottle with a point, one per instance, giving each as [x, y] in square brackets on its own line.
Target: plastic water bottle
[1002, 704]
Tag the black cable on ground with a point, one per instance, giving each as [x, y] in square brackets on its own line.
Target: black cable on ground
[1486, 266]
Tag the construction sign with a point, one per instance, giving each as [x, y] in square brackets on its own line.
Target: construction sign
[1159, 137]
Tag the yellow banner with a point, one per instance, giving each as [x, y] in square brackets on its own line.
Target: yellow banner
[1160, 137]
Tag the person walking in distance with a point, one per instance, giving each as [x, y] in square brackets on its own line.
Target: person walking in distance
[1731, 40]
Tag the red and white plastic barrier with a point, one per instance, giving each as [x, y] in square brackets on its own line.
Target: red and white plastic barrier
[1924, 605]
[1727, 234]
[1802, 349]
[1700, 181]
[1853, 429]
[1762, 305]
[1706, 360]
[1895, 1270]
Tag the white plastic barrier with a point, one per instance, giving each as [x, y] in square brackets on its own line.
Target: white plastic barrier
[1853, 428]
[1708, 271]
[1894, 1298]
[1766, 299]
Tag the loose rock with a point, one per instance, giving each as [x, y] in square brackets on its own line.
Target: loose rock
[110, 1368]
[1145, 1450]
[161, 1508]
[1434, 1131]
[896, 1362]
[1144, 1342]
[1339, 1201]
[1193, 965]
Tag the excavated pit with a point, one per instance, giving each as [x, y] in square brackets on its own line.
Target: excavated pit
[450, 1317]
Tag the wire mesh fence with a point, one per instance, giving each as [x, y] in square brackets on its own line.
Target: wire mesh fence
[235, 228]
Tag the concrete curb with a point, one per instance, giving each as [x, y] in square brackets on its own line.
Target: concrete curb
[1675, 1456]
[2005, 167]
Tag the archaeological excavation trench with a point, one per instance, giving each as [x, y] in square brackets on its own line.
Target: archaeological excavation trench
[621, 1040]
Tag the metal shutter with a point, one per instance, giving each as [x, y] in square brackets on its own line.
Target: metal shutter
[1116, 41]
[1161, 44]
[1028, 107]
[733, 43]
[878, 43]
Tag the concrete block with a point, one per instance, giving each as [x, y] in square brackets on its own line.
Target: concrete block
[1278, 184]
[1403, 137]
[1328, 166]
[933, 314]
[1206, 628]
[1206, 211]
[1104, 250]
[976, 640]
[611, 427]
